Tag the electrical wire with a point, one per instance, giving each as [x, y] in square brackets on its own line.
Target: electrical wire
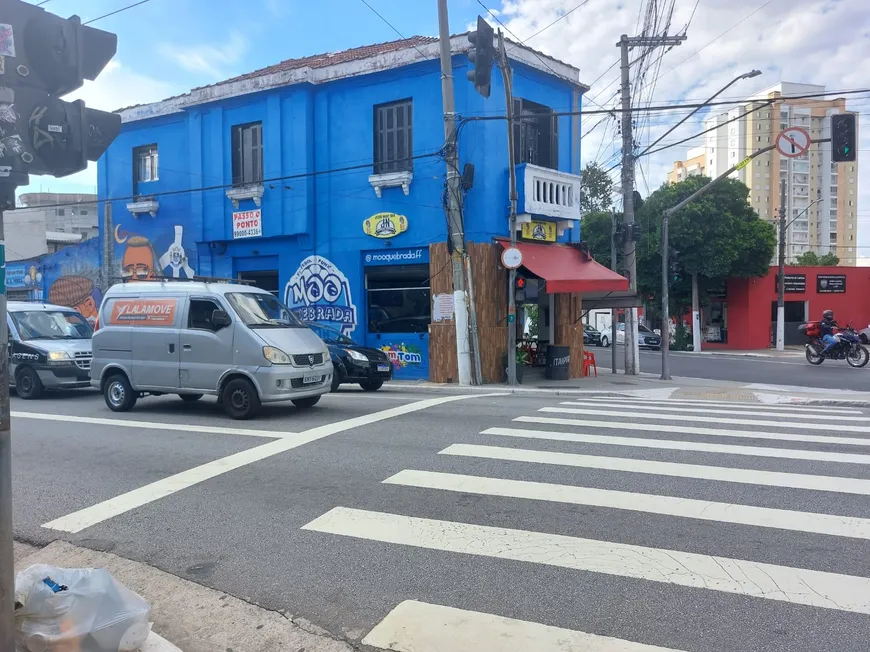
[117, 11]
[391, 26]
[563, 16]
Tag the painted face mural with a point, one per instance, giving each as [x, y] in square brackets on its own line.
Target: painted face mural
[320, 292]
[76, 292]
[139, 261]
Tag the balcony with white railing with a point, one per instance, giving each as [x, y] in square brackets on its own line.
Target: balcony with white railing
[547, 192]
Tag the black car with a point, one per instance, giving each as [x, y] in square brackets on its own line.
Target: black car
[369, 368]
[591, 335]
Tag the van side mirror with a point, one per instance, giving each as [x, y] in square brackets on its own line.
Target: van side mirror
[220, 319]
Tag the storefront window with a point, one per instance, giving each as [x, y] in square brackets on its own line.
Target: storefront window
[399, 299]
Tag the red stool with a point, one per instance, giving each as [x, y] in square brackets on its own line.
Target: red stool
[589, 363]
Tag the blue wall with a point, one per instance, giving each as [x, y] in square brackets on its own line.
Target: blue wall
[310, 128]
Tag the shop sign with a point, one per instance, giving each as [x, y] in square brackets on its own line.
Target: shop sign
[793, 283]
[409, 256]
[318, 291]
[247, 224]
[831, 283]
[385, 225]
[17, 276]
[540, 231]
[442, 307]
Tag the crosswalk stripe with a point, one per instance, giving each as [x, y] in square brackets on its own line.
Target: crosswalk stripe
[781, 519]
[422, 627]
[710, 410]
[667, 444]
[737, 422]
[697, 430]
[673, 567]
[672, 469]
[745, 405]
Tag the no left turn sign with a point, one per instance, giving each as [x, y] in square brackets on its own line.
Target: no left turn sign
[793, 142]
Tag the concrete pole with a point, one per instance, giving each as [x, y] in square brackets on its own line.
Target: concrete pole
[613, 310]
[7, 567]
[696, 316]
[454, 209]
[632, 351]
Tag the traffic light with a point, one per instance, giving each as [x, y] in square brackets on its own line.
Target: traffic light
[481, 56]
[520, 289]
[636, 231]
[844, 138]
[45, 57]
[674, 264]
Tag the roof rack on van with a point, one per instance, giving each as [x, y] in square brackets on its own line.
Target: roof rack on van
[195, 279]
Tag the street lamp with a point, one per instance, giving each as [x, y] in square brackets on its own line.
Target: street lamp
[780, 291]
[666, 320]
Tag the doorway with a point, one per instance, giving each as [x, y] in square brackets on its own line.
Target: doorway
[795, 315]
[264, 279]
[399, 311]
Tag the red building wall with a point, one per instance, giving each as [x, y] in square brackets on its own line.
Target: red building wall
[749, 303]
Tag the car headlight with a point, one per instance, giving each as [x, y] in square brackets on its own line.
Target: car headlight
[327, 355]
[56, 356]
[356, 355]
[276, 356]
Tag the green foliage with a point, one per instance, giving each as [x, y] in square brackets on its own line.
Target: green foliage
[811, 259]
[596, 189]
[595, 229]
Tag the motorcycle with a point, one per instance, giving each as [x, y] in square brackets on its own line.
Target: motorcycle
[848, 346]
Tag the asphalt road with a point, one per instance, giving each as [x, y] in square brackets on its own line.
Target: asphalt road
[481, 512]
[794, 370]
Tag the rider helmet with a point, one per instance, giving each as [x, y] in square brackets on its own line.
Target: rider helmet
[828, 315]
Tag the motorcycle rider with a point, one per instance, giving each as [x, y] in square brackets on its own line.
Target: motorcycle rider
[827, 327]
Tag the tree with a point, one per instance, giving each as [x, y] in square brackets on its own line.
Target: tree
[596, 189]
[717, 236]
[811, 259]
[595, 229]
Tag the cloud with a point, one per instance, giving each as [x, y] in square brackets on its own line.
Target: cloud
[214, 61]
[797, 42]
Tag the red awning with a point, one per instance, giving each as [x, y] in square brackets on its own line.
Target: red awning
[567, 269]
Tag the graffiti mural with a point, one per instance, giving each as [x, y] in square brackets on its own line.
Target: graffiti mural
[139, 261]
[71, 278]
[319, 291]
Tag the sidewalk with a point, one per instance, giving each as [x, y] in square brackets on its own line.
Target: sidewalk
[789, 352]
[193, 617]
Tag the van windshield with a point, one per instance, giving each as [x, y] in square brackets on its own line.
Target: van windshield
[260, 310]
[51, 325]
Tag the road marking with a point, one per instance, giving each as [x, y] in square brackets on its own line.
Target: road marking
[154, 425]
[736, 422]
[674, 567]
[781, 519]
[421, 627]
[672, 469]
[85, 518]
[692, 430]
[676, 445]
[620, 401]
[762, 412]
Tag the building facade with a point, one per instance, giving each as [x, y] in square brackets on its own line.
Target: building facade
[694, 165]
[830, 225]
[45, 222]
[322, 180]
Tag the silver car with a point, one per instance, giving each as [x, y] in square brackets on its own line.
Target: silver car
[49, 348]
[236, 342]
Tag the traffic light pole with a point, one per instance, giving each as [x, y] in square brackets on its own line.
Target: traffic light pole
[613, 310]
[512, 217]
[7, 566]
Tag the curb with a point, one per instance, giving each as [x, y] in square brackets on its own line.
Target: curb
[157, 643]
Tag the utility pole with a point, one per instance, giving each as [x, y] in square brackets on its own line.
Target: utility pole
[780, 282]
[455, 228]
[632, 351]
[696, 316]
[108, 246]
[7, 567]
[512, 216]
[613, 310]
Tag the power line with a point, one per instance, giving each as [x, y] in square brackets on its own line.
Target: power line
[117, 11]
[391, 26]
[544, 29]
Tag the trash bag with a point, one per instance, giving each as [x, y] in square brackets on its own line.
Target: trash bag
[77, 610]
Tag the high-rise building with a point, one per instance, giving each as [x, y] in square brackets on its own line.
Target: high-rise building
[695, 164]
[830, 225]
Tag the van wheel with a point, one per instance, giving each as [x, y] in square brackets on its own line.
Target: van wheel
[240, 399]
[371, 385]
[190, 398]
[119, 396]
[27, 384]
[305, 403]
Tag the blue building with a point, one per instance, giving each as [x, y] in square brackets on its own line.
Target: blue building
[320, 179]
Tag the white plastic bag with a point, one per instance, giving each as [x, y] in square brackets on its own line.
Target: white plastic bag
[77, 610]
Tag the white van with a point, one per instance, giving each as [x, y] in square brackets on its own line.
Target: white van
[192, 338]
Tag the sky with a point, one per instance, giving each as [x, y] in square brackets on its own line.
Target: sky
[166, 47]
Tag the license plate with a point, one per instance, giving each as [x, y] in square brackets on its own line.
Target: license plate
[307, 380]
[383, 367]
